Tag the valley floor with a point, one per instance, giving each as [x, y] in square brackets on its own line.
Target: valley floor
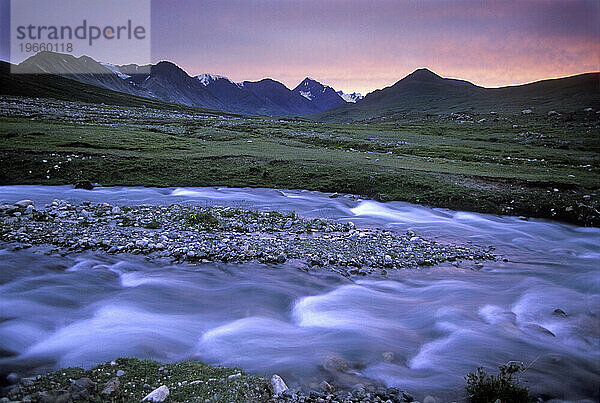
[530, 165]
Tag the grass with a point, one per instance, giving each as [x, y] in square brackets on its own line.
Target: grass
[485, 388]
[213, 383]
[491, 167]
[203, 219]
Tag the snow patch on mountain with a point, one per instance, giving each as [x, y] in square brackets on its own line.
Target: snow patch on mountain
[207, 78]
[352, 98]
[115, 70]
[307, 95]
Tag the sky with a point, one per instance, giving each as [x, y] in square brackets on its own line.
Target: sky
[362, 45]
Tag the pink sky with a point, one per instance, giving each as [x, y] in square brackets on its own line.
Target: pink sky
[362, 45]
[365, 45]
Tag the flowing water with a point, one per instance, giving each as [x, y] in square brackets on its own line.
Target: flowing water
[437, 323]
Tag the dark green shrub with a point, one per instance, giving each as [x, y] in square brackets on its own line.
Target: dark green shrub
[203, 219]
[487, 388]
[154, 224]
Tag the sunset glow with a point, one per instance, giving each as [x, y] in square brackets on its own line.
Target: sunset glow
[362, 46]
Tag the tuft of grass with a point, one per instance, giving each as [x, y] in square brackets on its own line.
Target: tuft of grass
[127, 222]
[484, 388]
[41, 216]
[153, 224]
[203, 219]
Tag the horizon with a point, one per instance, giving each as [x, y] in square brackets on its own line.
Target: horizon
[357, 47]
[337, 89]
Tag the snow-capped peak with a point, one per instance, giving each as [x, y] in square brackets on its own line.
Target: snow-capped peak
[207, 78]
[115, 70]
[355, 96]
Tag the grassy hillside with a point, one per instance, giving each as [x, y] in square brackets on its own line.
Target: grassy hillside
[543, 167]
[435, 95]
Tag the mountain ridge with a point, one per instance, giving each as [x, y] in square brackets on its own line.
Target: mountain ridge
[168, 82]
[421, 91]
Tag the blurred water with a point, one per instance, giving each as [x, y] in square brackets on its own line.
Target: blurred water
[439, 323]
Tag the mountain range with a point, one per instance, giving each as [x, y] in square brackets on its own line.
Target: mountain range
[422, 91]
[168, 82]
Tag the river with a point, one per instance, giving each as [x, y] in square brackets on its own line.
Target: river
[420, 330]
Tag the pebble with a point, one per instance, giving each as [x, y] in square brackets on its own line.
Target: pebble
[245, 235]
[24, 203]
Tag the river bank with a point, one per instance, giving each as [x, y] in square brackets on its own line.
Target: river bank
[517, 165]
[130, 379]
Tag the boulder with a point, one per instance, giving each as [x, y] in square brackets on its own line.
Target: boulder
[336, 364]
[84, 184]
[560, 312]
[82, 389]
[326, 387]
[157, 395]
[279, 385]
[281, 258]
[54, 396]
[111, 386]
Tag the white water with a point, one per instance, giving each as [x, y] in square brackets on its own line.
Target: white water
[439, 323]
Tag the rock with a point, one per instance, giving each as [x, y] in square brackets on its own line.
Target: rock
[358, 390]
[281, 258]
[526, 111]
[588, 109]
[279, 385]
[54, 396]
[84, 184]
[157, 395]
[28, 381]
[24, 203]
[334, 195]
[121, 372]
[481, 120]
[336, 364]
[82, 388]
[326, 387]
[560, 312]
[111, 386]
[116, 210]
[552, 113]
[234, 376]
[388, 356]
[12, 378]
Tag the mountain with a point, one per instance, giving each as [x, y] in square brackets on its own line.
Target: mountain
[322, 96]
[352, 98]
[426, 92]
[278, 96]
[168, 82]
[61, 88]
[83, 69]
